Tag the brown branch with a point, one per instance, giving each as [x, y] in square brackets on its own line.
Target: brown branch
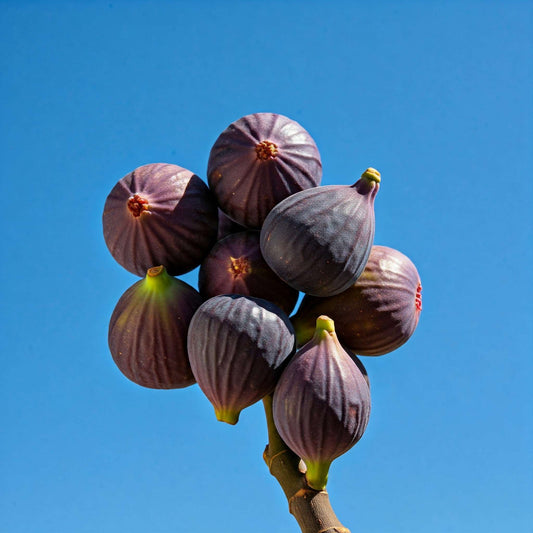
[311, 508]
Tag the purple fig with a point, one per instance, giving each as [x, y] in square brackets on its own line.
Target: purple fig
[321, 403]
[160, 214]
[378, 313]
[238, 346]
[318, 240]
[259, 160]
[226, 226]
[235, 266]
[148, 331]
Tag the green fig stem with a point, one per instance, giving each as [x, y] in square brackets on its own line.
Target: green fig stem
[157, 279]
[227, 415]
[317, 474]
[368, 183]
[311, 508]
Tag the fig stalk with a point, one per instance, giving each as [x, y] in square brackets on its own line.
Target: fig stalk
[311, 508]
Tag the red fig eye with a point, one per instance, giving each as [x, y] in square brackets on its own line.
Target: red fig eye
[137, 205]
[418, 297]
[266, 150]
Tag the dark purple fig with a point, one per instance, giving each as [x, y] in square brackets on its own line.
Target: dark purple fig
[237, 348]
[259, 160]
[318, 240]
[378, 313]
[148, 331]
[321, 403]
[235, 266]
[226, 226]
[160, 214]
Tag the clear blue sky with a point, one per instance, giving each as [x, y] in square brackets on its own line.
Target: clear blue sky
[435, 95]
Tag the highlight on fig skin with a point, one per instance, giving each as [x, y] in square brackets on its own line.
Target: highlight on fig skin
[137, 205]
[266, 150]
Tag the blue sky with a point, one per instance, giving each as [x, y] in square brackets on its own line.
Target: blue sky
[435, 95]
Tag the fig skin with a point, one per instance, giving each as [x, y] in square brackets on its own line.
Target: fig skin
[148, 331]
[235, 265]
[160, 214]
[259, 160]
[238, 347]
[318, 240]
[321, 404]
[378, 313]
[226, 226]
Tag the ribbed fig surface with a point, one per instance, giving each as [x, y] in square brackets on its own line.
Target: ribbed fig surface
[318, 240]
[238, 346]
[321, 403]
[160, 214]
[378, 313]
[235, 265]
[148, 331]
[259, 160]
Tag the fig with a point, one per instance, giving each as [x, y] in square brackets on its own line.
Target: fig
[318, 240]
[321, 404]
[259, 160]
[378, 313]
[238, 346]
[160, 214]
[235, 266]
[148, 331]
[226, 226]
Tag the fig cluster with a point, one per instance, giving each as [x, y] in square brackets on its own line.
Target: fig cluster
[264, 234]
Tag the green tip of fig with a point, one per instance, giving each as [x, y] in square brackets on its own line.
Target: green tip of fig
[324, 323]
[317, 474]
[230, 416]
[372, 174]
[157, 280]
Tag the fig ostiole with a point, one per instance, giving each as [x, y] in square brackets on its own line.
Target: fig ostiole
[160, 214]
[318, 240]
[321, 403]
[259, 160]
[148, 331]
[238, 346]
[235, 265]
[375, 315]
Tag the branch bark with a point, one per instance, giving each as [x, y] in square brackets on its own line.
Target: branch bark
[311, 508]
